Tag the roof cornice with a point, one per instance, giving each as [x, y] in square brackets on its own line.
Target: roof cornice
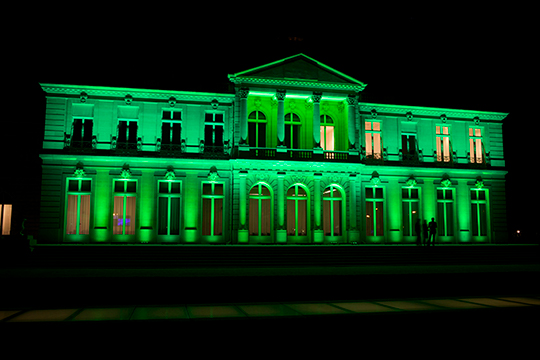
[104, 91]
[432, 112]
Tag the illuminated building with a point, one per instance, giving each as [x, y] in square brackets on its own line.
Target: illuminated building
[293, 156]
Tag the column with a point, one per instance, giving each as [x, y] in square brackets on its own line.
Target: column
[351, 118]
[280, 94]
[281, 231]
[243, 234]
[243, 93]
[316, 119]
[318, 236]
[354, 233]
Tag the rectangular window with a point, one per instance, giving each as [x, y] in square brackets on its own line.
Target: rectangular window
[408, 146]
[213, 130]
[476, 146]
[5, 218]
[124, 207]
[444, 149]
[445, 212]
[169, 193]
[373, 140]
[81, 132]
[410, 209]
[212, 208]
[257, 129]
[374, 211]
[78, 206]
[171, 127]
[479, 218]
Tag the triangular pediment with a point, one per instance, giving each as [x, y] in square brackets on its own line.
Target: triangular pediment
[298, 71]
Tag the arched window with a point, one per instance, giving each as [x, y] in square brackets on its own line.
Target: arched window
[297, 207]
[292, 131]
[257, 129]
[327, 133]
[332, 211]
[260, 211]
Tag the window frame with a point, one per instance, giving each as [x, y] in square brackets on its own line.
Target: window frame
[409, 200]
[369, 139]
[445, 200]
[257, 123]
[169, 195]
[331, 200]
[125, 194]
[78, 193]
[259, 198]
[375, 200]
[474, 149]
[324, 124]
[297, 235]
[478, 221]
[292, 123]
[213, 197]
[172, 121]
[213, 123]
[441, 147]
[6, 219]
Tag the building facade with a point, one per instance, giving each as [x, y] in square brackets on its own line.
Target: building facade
[292, 157]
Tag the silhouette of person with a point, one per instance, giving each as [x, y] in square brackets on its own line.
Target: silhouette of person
[425, 231]
[432, 232]
[418, 229]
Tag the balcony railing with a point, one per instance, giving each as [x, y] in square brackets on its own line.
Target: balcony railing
[297, 154]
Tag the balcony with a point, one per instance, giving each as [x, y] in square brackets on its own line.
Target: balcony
[296, 154]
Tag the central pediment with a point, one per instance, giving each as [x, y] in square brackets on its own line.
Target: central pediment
[298, 71]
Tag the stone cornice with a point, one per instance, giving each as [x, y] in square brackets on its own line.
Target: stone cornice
[297, 83]
[150, 94]
[431, 112]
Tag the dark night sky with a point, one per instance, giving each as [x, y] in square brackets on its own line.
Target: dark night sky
[436, 56]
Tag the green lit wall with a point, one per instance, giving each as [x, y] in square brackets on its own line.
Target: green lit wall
[236, 168]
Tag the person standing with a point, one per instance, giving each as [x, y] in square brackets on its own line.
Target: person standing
[432, 232]
[425, 232]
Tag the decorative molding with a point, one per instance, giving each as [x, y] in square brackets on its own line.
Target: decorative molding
[434, 112]
[411, 182]
[172, 101]
[79, 170]
[215, 104]
[446, 182]
[280, 95]
[316, 97]
[83, 97]
[169, 174]
[375, 179]
[479, 183]
[126, 172]
[128, 99]
[213, 174]
[297, 83]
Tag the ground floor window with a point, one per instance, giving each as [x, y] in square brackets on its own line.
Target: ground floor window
[124, 207]
[479, 218]
[212, 209]
[374, 211]
[78, 206]
[5, 218]
[169, 196]
[410, 207]
[332, 211]
[297, 207]
[445, 212]
[260, 211]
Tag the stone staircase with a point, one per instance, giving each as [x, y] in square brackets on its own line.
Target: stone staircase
[215, 256]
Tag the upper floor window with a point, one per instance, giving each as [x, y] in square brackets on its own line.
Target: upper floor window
[409, 146]
[444, 149]
[257, 129]
[327, 133]
[292, 131]
[169, 207]
[171, 127]
[476, 145]
[78, 206]
[213, 129]
[124, 206]
[81, 132]
[5, 218]
[373, 140]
